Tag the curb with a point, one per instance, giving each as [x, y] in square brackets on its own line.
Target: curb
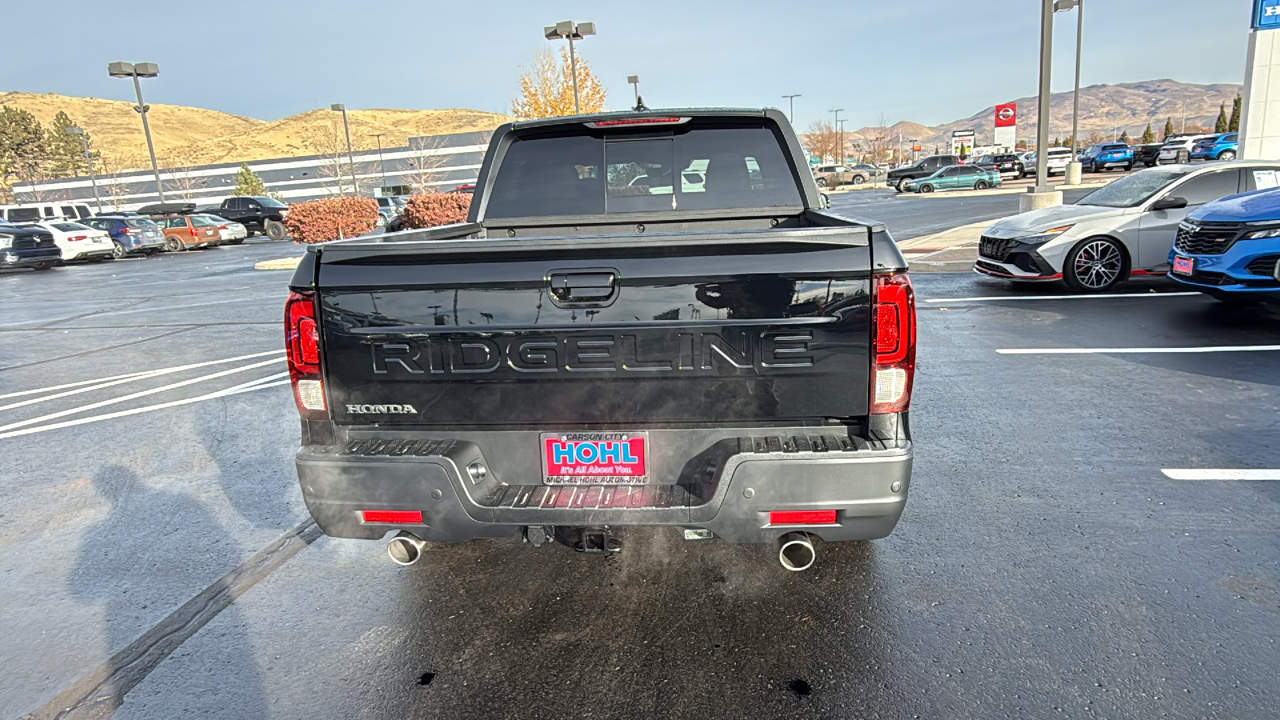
[289, 263]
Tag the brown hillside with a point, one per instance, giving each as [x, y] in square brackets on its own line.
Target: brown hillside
[320, 132]
[187, 136]
[116, 129]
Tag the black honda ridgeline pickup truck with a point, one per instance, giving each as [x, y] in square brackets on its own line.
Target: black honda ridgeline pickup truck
[648, 318]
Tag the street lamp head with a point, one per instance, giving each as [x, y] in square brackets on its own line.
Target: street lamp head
[1065, 5]
[337, 107]
[120, 69]
[146, 70]
[586, 28]
[568, 29]
[633, 79]
[73, 130]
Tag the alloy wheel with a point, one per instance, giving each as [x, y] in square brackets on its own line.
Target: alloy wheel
[1098, 264]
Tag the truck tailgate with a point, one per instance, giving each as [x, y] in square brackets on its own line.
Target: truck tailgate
[732, 328]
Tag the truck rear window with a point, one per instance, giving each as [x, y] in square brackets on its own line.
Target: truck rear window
[693, 167]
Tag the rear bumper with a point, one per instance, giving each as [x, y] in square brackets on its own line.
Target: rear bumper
[729, 489]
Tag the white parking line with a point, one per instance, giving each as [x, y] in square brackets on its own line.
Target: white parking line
[1059, 297]
[1222, 474]
[132, 396]
[258, 384]
[140, 374]
[127, 379]
[1137, 351]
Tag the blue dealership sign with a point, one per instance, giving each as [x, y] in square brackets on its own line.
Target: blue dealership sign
[1266, 14]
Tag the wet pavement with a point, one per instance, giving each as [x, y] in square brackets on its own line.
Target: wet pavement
[157, 560]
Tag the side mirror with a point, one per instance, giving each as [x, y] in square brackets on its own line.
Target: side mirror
[1169, 203]
[826, 200]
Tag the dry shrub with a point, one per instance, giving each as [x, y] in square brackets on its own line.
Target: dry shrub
[331, 218]
[432, 209]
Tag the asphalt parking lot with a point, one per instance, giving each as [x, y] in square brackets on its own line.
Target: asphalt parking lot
[159, 563]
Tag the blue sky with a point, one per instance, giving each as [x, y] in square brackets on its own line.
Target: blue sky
[928, 61]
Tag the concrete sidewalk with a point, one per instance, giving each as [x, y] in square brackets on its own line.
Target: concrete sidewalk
[952, 250]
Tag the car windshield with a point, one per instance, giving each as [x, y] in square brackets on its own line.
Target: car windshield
[271, 203]
[1133, 190]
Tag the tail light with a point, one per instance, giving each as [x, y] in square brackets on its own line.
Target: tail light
[894, 344]
[191, 230]
[222, 227]
[302, 344]
[130, 231]
[75, 238]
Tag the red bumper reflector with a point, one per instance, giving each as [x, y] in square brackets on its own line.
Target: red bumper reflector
[802, 517]
[392, 516]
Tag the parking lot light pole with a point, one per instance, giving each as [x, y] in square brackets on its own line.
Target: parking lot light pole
[1074, 170]
[1043, 194]
[569, 30]
[88, 160]
[351, 161]
[381, 165]
[838, 138]
[135, 71]
[791, 115]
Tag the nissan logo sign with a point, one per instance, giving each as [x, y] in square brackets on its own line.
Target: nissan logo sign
[1006, 113]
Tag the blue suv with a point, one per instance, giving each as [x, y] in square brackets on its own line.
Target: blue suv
[1230, 248]
[130, 235]
[1218, 147]
[1106, 155]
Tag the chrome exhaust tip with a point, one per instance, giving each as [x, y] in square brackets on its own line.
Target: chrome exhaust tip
[405, 548]
[796, 552]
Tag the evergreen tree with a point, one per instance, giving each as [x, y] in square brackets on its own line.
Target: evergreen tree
[24, 146]
[1124, 138]
[247, 183]
[1148, 136]
[66, 154]
[1233, 125]
[1221, 125]
[1168, 128]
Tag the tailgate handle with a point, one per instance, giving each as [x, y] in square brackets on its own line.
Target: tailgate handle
[583, 288]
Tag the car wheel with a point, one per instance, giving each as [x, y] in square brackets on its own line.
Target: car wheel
[981, 185]
[1094, 265]
[117, 250]
[174, 245]
[1128, 167]
[926, 188]
[822, 182]
[902, 185]
[275, 230]
[42, 266]
[858, 180]
[1227, 155]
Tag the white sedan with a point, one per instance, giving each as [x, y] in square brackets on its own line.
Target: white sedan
[233, 233]
[1122, 229]
[79, 242]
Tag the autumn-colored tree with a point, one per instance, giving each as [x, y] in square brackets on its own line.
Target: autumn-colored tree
[821, 139]
[546, 87]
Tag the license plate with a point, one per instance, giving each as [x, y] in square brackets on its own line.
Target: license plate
[1184, 265]
[603, 458]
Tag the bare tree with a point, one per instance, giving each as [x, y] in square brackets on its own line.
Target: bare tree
[180, 164]
[335, 171]
[879, 146]
[115, 183]
[821, 139]
[424, 166]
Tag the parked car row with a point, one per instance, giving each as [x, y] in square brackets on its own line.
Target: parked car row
[74, 233]
[1141, 225]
